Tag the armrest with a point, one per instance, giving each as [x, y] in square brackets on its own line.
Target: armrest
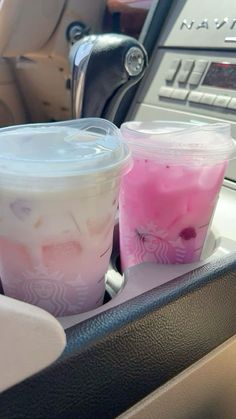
[31, 339]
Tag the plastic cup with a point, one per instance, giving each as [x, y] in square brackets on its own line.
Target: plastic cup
[168, 198]
[59, 186]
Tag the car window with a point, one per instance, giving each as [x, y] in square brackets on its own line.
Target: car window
[126, 16]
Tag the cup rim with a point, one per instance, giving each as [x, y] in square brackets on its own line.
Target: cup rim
[115, 156]
[190, 140]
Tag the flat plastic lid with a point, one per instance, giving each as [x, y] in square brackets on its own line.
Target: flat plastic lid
[59, 150]
[175, 140]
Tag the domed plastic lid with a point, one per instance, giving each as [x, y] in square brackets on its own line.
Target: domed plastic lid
[70, 148]
[180, 141]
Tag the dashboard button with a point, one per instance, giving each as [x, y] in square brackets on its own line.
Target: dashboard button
[165, 91]
[180, 94]
[174, 67]
[195, 78]
[188, 65]
[207, 99]
[200, 66]
[170, 75]
[183, 76]
[232, 104]
[221, 101]
[195, 97]
[175, 64]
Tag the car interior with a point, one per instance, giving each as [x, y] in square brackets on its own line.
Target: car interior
[162, 345]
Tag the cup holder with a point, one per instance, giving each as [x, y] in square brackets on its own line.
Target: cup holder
[1, 288]
[123, 287]
[146, 276]
[107, 297]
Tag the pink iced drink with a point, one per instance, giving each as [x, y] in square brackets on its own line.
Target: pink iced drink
[68, 279]
[168, 198]
[165, 211]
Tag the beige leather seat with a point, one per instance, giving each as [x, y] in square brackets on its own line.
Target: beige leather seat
[19, 19]
[34, 53]
[205, 390]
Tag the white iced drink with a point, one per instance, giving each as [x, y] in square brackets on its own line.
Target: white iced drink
[59, 196]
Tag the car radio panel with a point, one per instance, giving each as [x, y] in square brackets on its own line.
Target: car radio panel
[189, 81]
[189, 85]
[192, 82]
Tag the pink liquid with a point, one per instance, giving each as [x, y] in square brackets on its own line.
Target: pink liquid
[66, 282]
[55, 248]
[165, 211]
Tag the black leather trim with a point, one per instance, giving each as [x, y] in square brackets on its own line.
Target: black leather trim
[118, 357]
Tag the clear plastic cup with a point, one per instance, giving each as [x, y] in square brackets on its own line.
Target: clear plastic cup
[59, 187]
[167, 200]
